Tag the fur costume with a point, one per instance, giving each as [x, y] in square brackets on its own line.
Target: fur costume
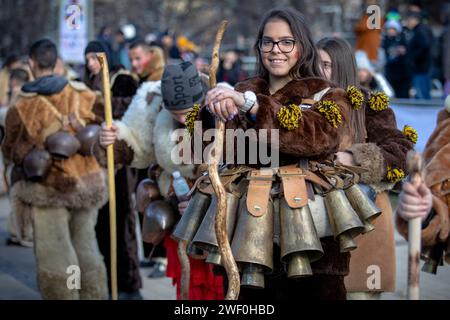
[76, 182]
[437, 178]
[314, 133]
[385, 146]
[135, 127]
[65, 204]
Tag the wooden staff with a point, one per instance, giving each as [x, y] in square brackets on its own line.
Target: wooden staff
[414, 164]
[111, 182]
[185, 269]
[213, 165]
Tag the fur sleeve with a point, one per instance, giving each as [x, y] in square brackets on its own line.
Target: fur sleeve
[392, 144]
[137, 124]
[314, 135]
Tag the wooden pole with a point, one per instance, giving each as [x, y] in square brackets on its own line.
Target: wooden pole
[185, 269]
[213, 169]
[111, 182]
[414, 164]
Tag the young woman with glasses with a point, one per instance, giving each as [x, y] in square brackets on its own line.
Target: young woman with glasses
[312, 117]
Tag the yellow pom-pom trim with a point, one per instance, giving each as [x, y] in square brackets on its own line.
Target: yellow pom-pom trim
[410, 133]
[378, 101]
[288, 116]
[191, 117]
[356, 97]
[394, 175]
[330, 110]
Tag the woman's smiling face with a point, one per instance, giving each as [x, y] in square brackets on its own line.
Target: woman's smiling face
[279, 63]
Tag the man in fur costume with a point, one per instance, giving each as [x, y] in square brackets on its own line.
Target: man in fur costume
[146, 61]
[144, 137]
[430, 200]
[67, 193]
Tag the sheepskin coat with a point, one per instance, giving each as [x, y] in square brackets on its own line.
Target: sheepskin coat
[145, 136]
[77, 182]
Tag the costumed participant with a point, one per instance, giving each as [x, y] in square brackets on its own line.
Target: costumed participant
[123, 87]
[64, 187]
[283, 242]
[430, 199]
[380, 148]
[20, 225]
[148, 63]
[144, 138]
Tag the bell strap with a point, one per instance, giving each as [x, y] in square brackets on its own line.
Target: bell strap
[72, 119]
[204, 185]
[294, 186]
[260, 184]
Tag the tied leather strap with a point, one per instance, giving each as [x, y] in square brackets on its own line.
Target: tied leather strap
[259, 191]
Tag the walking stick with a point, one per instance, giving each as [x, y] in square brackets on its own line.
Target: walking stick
[414, 164]
[185, 269]
[213, 164]
[111, 183]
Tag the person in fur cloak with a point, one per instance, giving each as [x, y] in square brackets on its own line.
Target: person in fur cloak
[381, 149]
[64, 193]
[430, 200]
[143, 137]
[313, 119]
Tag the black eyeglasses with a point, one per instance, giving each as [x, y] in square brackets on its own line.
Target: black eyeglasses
[285, 45]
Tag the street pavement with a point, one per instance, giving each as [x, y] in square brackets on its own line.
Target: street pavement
[18, 273]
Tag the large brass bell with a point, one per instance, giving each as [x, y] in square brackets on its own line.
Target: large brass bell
[195, 252]
[363, 205]
[252, 245]
[299, 241]
[159, 218]
[344, 220]
[192, 217]
[205, 237]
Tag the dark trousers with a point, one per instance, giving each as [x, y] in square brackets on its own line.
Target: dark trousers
[128, 276]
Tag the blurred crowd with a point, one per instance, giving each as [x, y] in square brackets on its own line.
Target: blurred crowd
[414, 60]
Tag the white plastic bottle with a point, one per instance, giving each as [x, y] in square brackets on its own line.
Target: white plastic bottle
[180, 186]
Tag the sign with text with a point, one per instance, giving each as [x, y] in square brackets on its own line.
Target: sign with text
[73, 30]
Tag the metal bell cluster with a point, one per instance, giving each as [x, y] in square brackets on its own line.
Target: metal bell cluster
[351, 213]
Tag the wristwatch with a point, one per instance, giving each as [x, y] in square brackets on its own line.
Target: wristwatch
[250, 99]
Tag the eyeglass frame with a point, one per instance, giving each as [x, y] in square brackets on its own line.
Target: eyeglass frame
[276, 43]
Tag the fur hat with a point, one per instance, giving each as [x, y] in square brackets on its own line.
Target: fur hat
[181, 87]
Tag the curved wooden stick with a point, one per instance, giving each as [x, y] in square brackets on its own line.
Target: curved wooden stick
[185, 269]
[111, 182]
[414, 164]
[213, 165]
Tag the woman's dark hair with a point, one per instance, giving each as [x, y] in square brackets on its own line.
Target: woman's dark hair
[344, 74]
[308, 64]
